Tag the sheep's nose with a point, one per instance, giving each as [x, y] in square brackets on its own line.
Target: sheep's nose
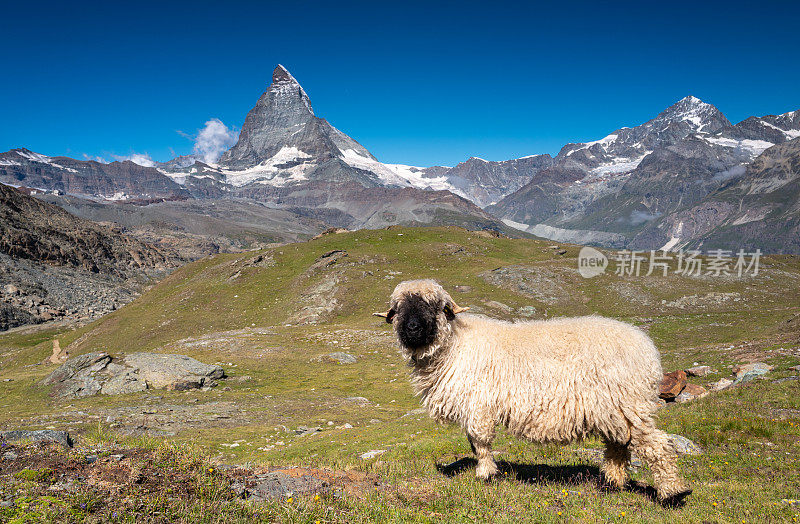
[412, 324]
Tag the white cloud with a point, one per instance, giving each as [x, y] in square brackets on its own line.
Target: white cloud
[214, 139]
[143, 159]
[95, 158]
[733, 172]
[639, 217]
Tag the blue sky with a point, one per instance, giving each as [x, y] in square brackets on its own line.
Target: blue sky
[415, 83]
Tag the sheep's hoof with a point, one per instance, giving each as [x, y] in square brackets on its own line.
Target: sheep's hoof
[607, 486]
[675, 501]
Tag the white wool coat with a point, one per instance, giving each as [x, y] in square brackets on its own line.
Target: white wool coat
[555, 380]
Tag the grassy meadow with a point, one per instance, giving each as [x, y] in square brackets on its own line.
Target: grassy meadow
[270, 317]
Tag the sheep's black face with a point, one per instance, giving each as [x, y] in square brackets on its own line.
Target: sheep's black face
[416, 323]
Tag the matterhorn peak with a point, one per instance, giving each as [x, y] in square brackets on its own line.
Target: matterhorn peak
[282, 130]
[281, 74]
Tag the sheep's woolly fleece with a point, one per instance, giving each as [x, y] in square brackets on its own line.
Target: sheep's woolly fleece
[556, 380]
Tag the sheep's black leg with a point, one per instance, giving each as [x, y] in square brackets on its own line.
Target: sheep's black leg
[471, 445]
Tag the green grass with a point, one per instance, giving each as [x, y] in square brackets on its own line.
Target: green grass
[750, 433]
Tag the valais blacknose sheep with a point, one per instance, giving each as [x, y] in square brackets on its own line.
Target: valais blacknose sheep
[557, 380]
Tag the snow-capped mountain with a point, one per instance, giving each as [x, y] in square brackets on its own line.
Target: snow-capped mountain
[622, 150]
[114, 181]
[283, 143]
[616, 191]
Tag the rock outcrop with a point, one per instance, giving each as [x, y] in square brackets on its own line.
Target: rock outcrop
[39, 435]
[99, 373]
[672, 384]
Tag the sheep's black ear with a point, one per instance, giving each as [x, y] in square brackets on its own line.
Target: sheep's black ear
[387, 315]
[451, 310]
[448, 312]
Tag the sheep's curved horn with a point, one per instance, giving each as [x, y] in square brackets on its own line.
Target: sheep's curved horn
[385, 314]
[458, 309]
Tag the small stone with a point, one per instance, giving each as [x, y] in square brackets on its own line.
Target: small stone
[6, 503]
[11, 289]
[10, 455]
[346, 425]
[417, 411]
[505, 308]
[795, 368]
[342, 358]
[371, 454]
[691, 392]
[672, 384]
[698, 371]
[684, 446]
[304, 431]
[330, 423]
[527, 311]
[721, 384]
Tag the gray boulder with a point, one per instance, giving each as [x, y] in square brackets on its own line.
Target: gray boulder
[684, 446]
[42, 435]
[748, 372]
[98, 372]
[342, 358]
[77, 377]
[278, 485]
[698, 371]
[721, 384]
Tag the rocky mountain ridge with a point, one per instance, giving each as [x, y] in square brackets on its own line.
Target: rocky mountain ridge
[609, 192]
[55, 265]
[616, 191]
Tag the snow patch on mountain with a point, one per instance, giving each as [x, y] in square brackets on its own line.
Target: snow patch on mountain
[616, 166]
[752, 147]
[286, 166]
[34, 157]
[398, 174]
